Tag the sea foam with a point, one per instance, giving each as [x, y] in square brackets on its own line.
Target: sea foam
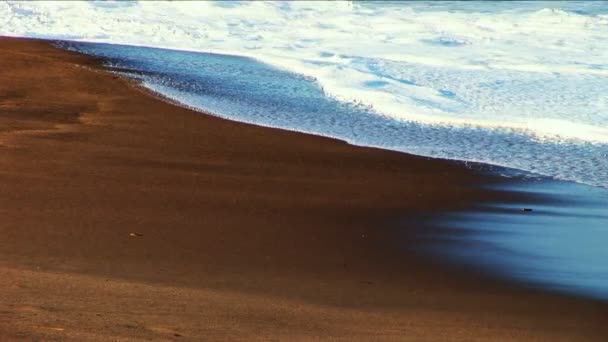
[520, 66]
[535, 68]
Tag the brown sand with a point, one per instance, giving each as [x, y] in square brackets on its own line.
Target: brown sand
[246, 232]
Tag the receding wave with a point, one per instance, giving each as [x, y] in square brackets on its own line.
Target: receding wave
[540, 70]
[523, 85]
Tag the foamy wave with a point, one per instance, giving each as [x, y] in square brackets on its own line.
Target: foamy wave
[538, 70]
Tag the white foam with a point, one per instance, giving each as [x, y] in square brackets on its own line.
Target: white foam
[542, 71]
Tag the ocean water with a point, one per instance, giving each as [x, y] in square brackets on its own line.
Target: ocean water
[560, 245]
[516, 84]
[522, 85]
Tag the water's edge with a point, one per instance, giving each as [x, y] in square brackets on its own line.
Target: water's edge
[246, 90]
[507, 242]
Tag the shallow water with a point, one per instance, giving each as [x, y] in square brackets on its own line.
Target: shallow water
[244, 89]
[559, 245]
[520, 84]
[517, 84]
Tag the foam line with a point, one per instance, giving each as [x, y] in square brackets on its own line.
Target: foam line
[525, 67]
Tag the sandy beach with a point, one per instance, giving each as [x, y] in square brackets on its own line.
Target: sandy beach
[125, 217]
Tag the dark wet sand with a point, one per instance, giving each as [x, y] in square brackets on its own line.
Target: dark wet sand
[243, 232]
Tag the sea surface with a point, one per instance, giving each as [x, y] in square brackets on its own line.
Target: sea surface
[519, 85]
[559, 246]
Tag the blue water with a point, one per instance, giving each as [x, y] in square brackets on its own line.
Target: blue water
[244, 89]
[559, 245]
[521, 84]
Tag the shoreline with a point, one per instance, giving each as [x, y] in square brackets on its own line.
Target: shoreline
[229, 213]
[294, 127]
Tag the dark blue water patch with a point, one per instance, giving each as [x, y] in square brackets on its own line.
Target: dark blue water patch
[375, 84]
[405, 81]
[558, 245]
[447, 93]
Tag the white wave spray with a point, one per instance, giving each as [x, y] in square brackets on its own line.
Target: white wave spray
[535, 68]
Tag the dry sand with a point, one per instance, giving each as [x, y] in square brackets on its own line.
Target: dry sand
[242, 232]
